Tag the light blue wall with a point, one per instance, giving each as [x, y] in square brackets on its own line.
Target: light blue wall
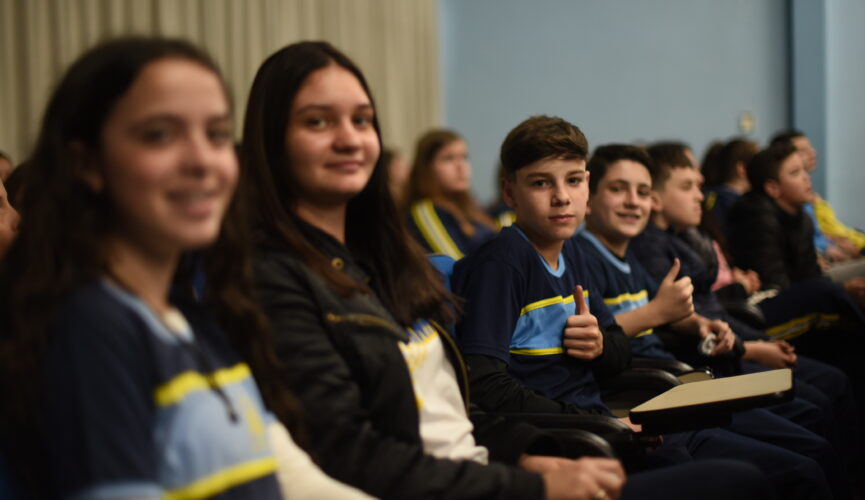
[623, 70]
[808, 78]
[845, 127]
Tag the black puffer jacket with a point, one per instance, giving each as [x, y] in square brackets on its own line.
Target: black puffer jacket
[342, 360]
[776, 244]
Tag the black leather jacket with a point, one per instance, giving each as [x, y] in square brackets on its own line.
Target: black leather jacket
[342, 360]
[778, 245]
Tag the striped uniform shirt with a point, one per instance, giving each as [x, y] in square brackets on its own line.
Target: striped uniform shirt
[135, 410]
[439, 232]
[515, 310]
[624, 286]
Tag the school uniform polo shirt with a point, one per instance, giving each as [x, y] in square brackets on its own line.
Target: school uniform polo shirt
[515, 310]
[439, 232]
[624, 286]
[135, 410]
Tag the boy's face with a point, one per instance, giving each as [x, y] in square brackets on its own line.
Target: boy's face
[793, 187]
[806, 152]
[549, 197]
[619, 208]
[680, 199]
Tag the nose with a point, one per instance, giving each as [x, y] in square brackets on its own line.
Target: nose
[347, 136]
[465, 168]
[560, 196]
[200, 153]
[699, 195]
[631, 197]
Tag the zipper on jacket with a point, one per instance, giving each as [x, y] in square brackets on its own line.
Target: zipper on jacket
[365, 320]
[460, 361]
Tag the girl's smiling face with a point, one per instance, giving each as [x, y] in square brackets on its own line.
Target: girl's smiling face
[167, 160]
[332, 145]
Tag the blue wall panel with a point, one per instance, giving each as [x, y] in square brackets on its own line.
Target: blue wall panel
[623, 70]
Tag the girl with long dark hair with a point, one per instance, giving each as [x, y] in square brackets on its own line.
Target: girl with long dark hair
[117, 381]
[443, 214]
[356, 312]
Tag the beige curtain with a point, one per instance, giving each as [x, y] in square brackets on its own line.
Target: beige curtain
[395, 42]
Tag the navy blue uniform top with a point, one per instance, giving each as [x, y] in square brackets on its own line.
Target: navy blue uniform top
[624, 286]
[438, 231]
[719, 200]
[515, 310]
[132, 410]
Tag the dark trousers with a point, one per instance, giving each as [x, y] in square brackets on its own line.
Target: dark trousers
[706, 480]
[793, 475]
[839, 343]
[808, 425]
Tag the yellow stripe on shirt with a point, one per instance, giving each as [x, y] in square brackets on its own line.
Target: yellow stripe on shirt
[550, 301]
[538, 352]
[800, 325]
[187, 382]
[224, 480]
[647, 331]
[633, 297]
[433, 231]
[711, 198]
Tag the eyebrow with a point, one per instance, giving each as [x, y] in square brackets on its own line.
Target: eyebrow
[626, 181]
[328, 107]
[175, 118]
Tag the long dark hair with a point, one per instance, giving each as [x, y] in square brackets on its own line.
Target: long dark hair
[375, 232]
[61, 243]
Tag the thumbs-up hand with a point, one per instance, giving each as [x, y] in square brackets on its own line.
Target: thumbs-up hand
[582, 337]
[673, 300]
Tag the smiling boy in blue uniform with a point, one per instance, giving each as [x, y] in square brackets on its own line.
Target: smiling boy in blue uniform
[534, 342]
[619, 206]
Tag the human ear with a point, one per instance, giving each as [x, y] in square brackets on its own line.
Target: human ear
[508, 192]
[772, 189]
[741, 170]
[85, 166]
[657, 205]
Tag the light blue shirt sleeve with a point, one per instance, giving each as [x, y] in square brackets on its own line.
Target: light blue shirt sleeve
[821, 242]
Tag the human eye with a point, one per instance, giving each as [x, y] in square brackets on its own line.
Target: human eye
[363, 119]
[644, 192]
[220, 135]
[575, 180]
[315, 122]
[540, 183]
[157, 135]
